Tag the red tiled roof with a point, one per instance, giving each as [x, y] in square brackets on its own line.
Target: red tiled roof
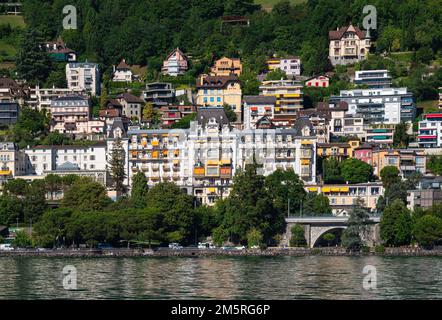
[337, 34]
[216, 81]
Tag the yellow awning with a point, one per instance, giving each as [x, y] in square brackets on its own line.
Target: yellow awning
[344, 189]
[5, 172]
[277, 109]
[313, 189]
[326, 189]
[155, 154]
[165, 152]
[226, 161]
[306, 142]
[176, 161]
[335, 189]
[305, 161]
[212, 162]
[155, 143]
[212, 190]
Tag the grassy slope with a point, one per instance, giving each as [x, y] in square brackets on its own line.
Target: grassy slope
[268, 4]
[14, 21]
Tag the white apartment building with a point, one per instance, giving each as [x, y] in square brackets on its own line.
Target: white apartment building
[384, 105]
[257, 107]
[290, 65]
[373, 79]
[12, 161]
[41, 98]
[348, 45]
[83, 76]
[122, 72]
[430, 131]
[64, 160]
[203, 159]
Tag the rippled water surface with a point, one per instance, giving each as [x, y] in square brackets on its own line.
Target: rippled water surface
[312, 277]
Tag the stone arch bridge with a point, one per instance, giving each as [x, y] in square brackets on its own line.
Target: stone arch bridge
[316, 227]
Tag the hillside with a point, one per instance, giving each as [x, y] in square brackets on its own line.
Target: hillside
[9, 39]
[268, 4]
[14, 21]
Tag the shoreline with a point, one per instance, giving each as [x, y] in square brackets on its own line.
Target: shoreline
[186, 253]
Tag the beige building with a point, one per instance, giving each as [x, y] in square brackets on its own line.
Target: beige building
[227, 66]
[12, 162]
[215, 91]
[132, 106]
[83, 77]
[348, 45]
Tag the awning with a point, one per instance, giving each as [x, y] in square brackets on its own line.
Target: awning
[326, 189]
[335, 189]
[5, 172]
[212, 190]
[225, 161]
[313, 189]
[212, 162]
[344, 189]
[254, 108]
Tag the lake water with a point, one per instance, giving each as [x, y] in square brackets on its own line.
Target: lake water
[313, 277]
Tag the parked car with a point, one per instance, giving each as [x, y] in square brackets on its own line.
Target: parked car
[175, 246]
[206, 245]
[6, 247]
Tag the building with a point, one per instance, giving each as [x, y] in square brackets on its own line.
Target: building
[9, 111]
[289, 99]
[132, 106]
[122, 72]
[84, 77]
[217, 91]
[10, 90]
[341, 123]
[174, 113]
[59, 52]
[41, 98]
[227, 66]
[343, 197]
[12, 162]
[159, 94]
[290, 65]
[408, 161]
[64, 160]
[348, 45]
[318, 82]
[338, 150]
[380, 106]
[175, 64]
[72, 114]
[440, 98]
[379, 134]
[257, 107]
[430, 131]
[373, 79]
[427, 194]
[203, 159]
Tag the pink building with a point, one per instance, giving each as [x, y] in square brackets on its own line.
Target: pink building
[175, 64]
[365, 153]
[318, 81]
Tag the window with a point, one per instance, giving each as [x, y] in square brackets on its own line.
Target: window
[92, 158]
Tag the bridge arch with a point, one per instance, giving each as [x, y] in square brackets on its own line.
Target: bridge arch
[317, 233]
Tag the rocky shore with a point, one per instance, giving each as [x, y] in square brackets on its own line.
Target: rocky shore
[187, 252]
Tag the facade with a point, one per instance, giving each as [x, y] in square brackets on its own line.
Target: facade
[256, 107]
[203, 159]
[379, 106]
[430, 131]
[12, 162]
[175, 64]
[122, 72]
[159, 94]
[379, 134]
[132, 106]
[227, 66]
[427, 194]
[348, 45]
[64, 160]
[9, 111]
[289, 98]
[338, 150]
[58, 51]
[10, 90]
[84, 77]
[318, 82]
[41, 98]
[343, 197]
[174, 113]
[408, 161]
[216, 91]
[290, 65]
[373, 79]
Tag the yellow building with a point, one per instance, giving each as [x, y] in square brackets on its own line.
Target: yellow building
[227, 66]
[407, 161]
[338, 150]
[343, 197]
[216, 91]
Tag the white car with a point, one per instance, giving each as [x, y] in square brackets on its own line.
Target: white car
[6, 247]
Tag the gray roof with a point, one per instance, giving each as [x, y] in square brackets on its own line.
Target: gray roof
[68, 166]
[260, 99]
[118, 123]
[9, 146]
[301, 123]
[205, 114]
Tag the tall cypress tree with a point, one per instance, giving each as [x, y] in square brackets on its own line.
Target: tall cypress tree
[139, 190]
[116, 164]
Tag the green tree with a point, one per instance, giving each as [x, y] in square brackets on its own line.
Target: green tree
[316, 205]
[116, 165]
[139, 191]
[11, 209]
[357, 226]
[150, 114]
[32, 63]
[276, 74]
[284, 186]
[297, 238]
[21, 240]
[329, 237]
[434, 164]
[53, 184]
[231, 115]
[50, 230]
[390, 175]
[16, 187]
[331, 171]
[184, 122]
[254, 238]
[356, 171]
[401, 138]
[86, 195]
[34, 204]
[396, 224]
[428, 230]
